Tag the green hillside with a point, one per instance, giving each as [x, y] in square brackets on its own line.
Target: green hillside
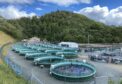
[10, 28]
[65, 26]
[7, 76]
[5, 38]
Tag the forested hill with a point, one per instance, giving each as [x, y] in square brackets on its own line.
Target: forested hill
[9, 28]
[63, 26]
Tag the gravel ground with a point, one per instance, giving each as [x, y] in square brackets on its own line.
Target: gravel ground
[104, 71]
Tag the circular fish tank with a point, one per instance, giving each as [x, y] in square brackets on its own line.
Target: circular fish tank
[73, 71]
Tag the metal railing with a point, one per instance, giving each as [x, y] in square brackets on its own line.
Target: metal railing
[23, 71]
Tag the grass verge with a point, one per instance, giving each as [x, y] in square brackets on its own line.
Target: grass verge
[7, 76]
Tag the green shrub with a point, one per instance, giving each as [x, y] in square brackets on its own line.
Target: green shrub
[110, 81]
[121, 81]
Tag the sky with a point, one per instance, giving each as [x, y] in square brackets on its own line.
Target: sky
[105, 11]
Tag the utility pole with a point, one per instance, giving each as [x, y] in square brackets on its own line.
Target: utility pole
[88, 39]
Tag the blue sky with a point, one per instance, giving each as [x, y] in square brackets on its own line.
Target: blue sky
[99, 10]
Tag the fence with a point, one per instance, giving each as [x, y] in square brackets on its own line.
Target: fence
[22, 71]
[18, 69]
[107, 80]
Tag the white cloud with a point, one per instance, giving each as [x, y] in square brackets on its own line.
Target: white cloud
[39, 9]
[66, 2]
[103, 14]
[11, 12]
[16, 1]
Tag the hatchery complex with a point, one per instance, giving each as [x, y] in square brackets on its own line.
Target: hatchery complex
[58, 59]
[55, 64]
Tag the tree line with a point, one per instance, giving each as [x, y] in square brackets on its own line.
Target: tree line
[62, 26]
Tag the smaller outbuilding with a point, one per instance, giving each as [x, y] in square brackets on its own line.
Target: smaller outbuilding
[34, 40]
